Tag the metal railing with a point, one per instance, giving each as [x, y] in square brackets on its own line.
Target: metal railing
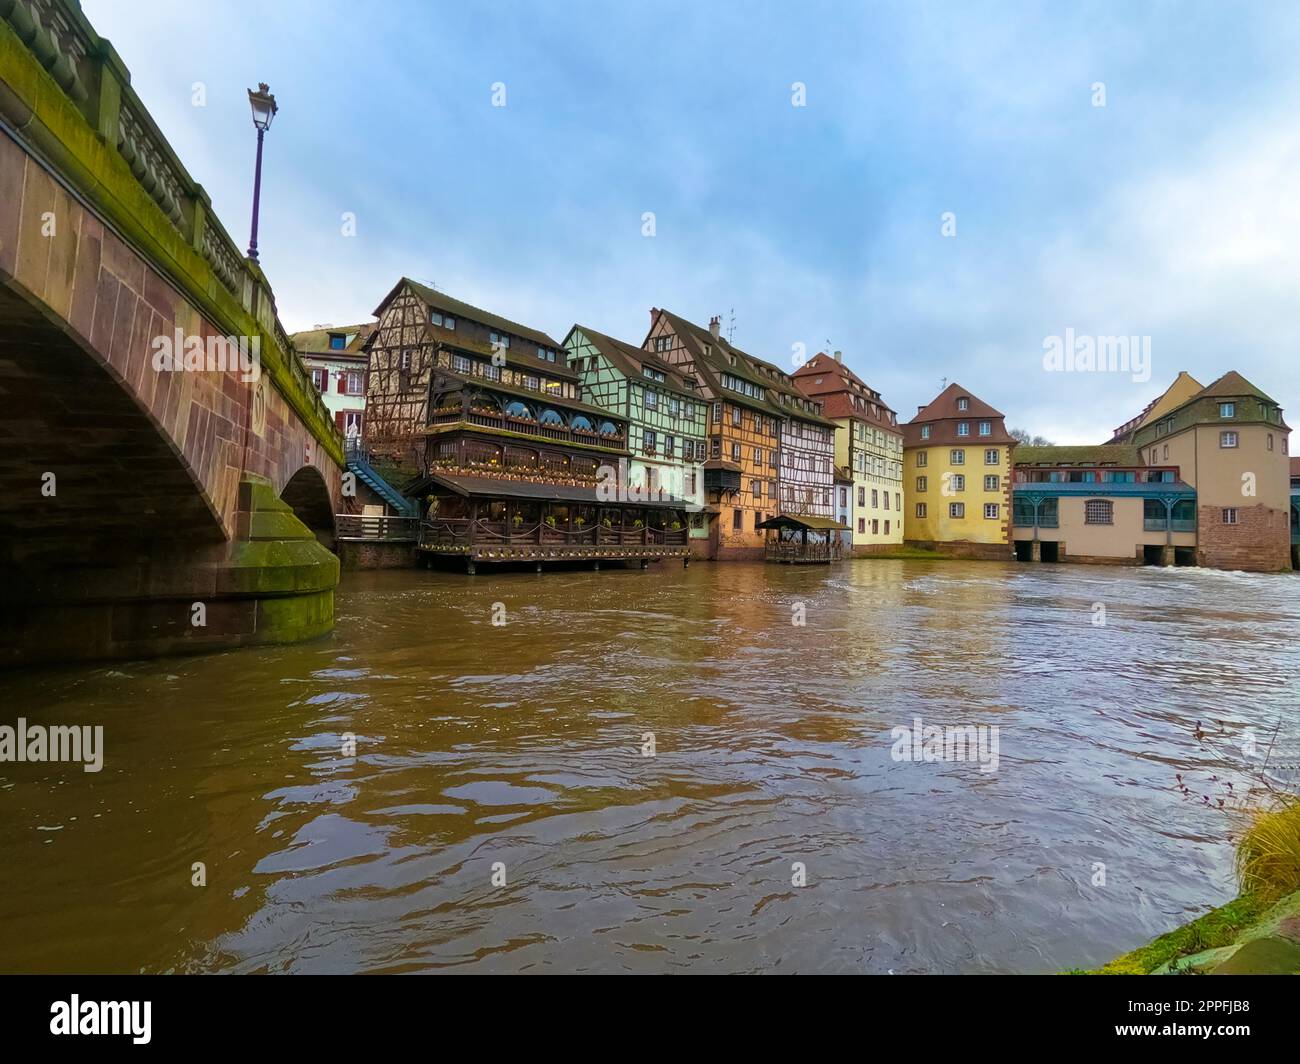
[377, 527]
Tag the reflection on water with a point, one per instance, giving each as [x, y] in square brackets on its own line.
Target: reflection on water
[522, 745]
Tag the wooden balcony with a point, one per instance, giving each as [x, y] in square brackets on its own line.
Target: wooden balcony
[481, 540]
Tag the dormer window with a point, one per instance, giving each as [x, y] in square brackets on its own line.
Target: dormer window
[925, 432]
[963, 428]
[963, 403]
[1227, 410]
[500, 339]
[445, 321]
[338, 341]
[546, 354]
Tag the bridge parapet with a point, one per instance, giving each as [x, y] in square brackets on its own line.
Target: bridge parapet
[103, 141]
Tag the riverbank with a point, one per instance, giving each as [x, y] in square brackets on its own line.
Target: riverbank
[1244, 937]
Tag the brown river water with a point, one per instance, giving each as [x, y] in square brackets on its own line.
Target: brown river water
[521, 747]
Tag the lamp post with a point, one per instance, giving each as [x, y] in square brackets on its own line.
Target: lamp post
[264, 109]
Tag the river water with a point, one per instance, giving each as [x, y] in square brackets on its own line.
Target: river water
[501, 814]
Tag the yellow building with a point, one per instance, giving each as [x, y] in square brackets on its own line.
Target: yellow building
[868, 445]
[957, 477]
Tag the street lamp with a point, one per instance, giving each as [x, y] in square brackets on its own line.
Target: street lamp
[264, 109]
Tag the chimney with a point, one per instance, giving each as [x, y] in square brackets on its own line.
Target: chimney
[653, 312]
[920, 407]
[715, 326]
[839, 356]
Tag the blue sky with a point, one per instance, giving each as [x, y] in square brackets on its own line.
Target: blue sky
[1171, 212]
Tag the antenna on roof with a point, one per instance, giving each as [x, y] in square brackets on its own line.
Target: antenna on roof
[731, 326]
[944, 385]
[428, 284]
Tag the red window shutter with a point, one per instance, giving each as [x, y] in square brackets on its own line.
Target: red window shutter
[343, 383]
[338, 419]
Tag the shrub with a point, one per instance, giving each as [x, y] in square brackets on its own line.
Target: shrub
[1268, 855]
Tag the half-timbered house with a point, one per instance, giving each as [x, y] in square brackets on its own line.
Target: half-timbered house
[869, 441]
[769, 448]
[513, 465]
[663, 406]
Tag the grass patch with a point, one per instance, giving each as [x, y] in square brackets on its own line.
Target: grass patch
[1219, 927]
[1268, 855]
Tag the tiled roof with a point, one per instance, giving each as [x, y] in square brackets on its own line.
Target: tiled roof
[942, 415]
[713, 356]
[842, 392]
[1231, 384]
[457, 309]
[1184, 387]
[1116, 454]
[629, 360]
[317, 341]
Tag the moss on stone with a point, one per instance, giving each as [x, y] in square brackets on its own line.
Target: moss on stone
[1217, 928]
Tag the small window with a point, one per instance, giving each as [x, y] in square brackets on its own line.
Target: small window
[460, 363]
[735, 452]
[920, 509]
[756, 486]
[963, 428]
[737, 519]
[957, 509]
[925, 432]
[922, 483]
[320, 378]
[862, 525]
[956, 482]
[922, 459]
[992, 482]
[356, 382]
[338, 341]
[1227, 439]
[1230, 515]
[957, 457]
[1227, 410]
[992, 456]
[1099, 512]
[986, 428]
[991, 511]
[963, 403]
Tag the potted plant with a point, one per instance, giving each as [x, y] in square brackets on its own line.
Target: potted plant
[579, 521]
[550, 521]
[638, 523]
[676, 526]
[518, 520]
[606, 523]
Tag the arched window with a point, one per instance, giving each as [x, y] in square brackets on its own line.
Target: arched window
[550, 417]
[609, 428]
[518, 409]
[580, 422]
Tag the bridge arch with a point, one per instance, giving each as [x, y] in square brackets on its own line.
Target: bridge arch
[308, 495]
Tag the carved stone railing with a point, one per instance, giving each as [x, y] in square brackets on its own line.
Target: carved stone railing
[98, 85]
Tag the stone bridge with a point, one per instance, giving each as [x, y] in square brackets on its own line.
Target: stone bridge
[146, 506]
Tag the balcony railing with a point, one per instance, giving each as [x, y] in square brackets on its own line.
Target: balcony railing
[442, 419]
[464, 532]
